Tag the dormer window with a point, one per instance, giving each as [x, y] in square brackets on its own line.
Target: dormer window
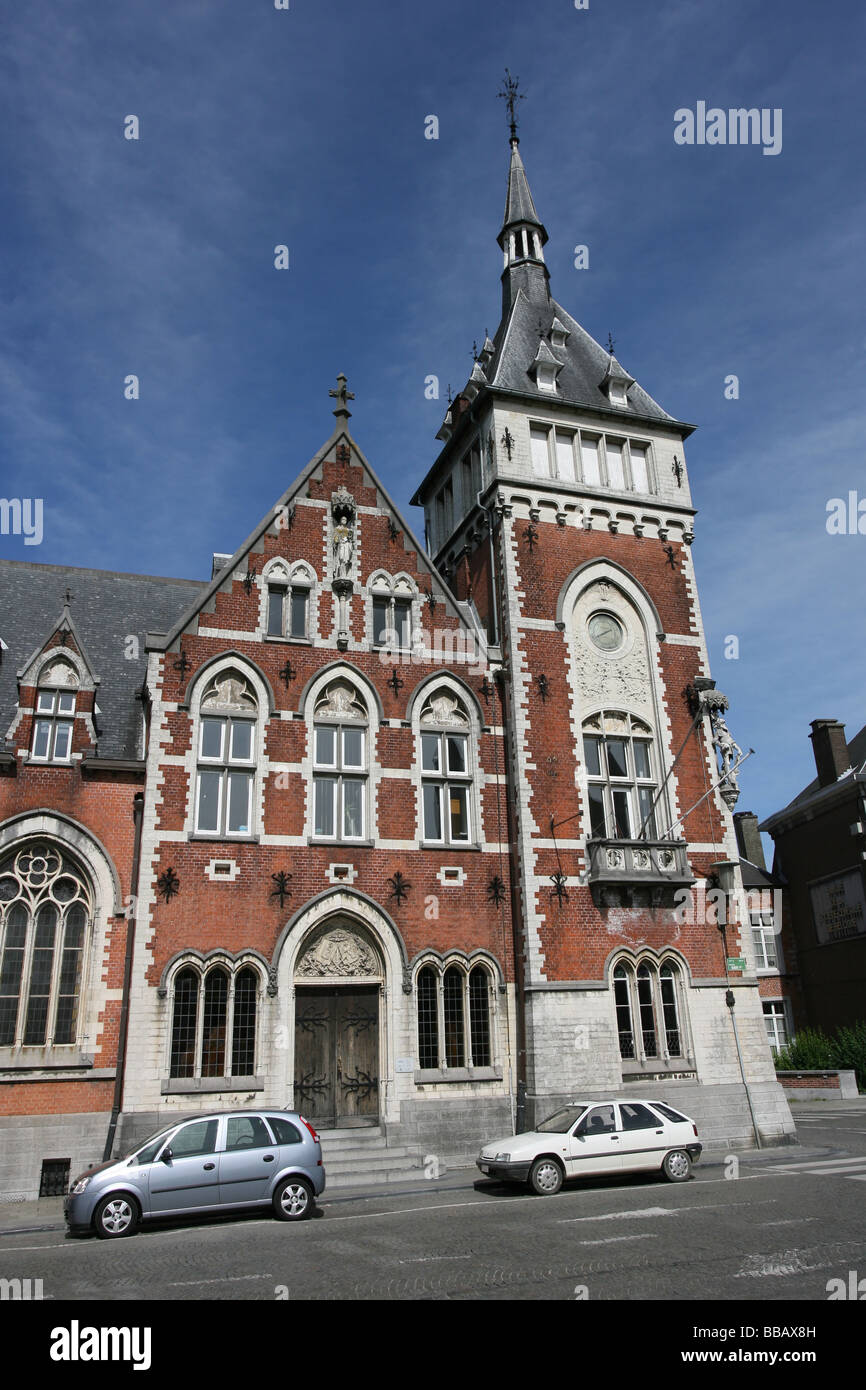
[616, 383]
[545, 368]
[52, 733]
[558, 334]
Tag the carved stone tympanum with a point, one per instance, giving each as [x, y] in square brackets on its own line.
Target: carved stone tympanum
[340, 953]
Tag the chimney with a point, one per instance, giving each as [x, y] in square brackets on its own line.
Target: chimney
[749, 838]
[830, 749]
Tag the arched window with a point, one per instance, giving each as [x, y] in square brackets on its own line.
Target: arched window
[392, 612]
[45, 911]
[226, 756]
[288, 600]
[55, 713]
[454, 1025]
[206, 1013]
[646, 999]
[340, 763]
[446, 776]
[621, 776]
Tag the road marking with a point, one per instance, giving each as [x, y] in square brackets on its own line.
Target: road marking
[643, 1213]
[226, 1279]
[786, 1262]
[843, 1166]
[612, 1240]
[8, 1248]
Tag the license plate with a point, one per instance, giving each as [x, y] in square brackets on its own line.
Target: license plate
[485, 1167]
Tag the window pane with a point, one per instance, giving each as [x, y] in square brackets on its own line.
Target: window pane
[244, 1024]
[242, 741]
[641, 759]
[538, 447]
[615, 475]
[598, 829]
[621, 818]
[41, 738]
[213, 1038]
[381, 621]
[403, 623]
[40, 976]
[326, 747]
[639, 474]
[589, 461]
[353, 808]
[593, 756]
[65, 704]
[428, 1019]
[669, 1012]
[209, 786]
[70, 973]
[458, 801]
[10, 971]
[275, 612]
[645, 800]
[647, 1017]
[455, 1055]
[240, 790]
[299, 612]
[565, 455]
[62, 740]
[247, 1132]
[284, 1130]
[325, 794]
[45, 702]
[479, 1017]
[183, 1024]
[430, 752]
[617, 765]
[197, 1138]
[212, 738]
[623, 1013]
[353, 748]
[456, 753]
[432, 812]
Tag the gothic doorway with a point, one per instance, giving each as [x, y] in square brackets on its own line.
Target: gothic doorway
[338, 983]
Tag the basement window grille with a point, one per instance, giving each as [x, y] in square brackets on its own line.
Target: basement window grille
[54, 1180]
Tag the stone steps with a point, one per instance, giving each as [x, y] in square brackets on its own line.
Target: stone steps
[361, 1157]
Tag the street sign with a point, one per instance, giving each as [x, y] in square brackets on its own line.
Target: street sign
[735, 963]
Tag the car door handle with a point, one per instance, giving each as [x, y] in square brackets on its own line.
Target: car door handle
[268, 1158]
[209, 1166]
[659, 1131]
[614, 1138]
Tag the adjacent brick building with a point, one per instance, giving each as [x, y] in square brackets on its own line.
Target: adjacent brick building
[423, 847]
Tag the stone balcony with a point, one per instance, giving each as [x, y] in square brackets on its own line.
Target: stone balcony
[638, 871]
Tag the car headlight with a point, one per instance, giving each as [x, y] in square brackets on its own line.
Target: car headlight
[503, 1158]
[80, 1186]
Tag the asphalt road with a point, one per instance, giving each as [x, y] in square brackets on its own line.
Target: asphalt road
[779, 1228]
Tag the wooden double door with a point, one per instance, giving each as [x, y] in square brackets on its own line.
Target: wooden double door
[337, 1055]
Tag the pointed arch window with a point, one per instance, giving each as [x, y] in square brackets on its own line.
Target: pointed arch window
[446, 775]
[226, 757]
[621, 776]
[213, 1027]
[46, 910]
[647, 1000]
[454, 1017]
[340, 763]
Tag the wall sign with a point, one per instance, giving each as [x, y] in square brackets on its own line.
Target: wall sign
[839, 907]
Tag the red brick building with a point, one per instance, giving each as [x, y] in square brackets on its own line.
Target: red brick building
[421, 847]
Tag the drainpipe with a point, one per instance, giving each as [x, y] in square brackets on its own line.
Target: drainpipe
[138, 815]
[725, 872]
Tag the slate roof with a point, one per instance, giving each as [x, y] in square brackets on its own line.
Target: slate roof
[107, 608]
[584, 361]
[519, 206]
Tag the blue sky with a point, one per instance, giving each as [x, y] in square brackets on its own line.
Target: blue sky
[306, 127]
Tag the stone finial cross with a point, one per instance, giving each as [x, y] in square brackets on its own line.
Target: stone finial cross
[341, 395]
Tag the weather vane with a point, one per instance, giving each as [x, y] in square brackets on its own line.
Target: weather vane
[511, 96]
[611, 344]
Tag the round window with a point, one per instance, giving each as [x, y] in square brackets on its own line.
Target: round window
[606, 632]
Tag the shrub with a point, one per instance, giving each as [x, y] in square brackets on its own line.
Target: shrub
[810, 1050]
[849, 1051]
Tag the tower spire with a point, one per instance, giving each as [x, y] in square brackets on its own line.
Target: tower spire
[522, 235]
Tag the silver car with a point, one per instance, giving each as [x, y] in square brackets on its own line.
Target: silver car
[234, 1160]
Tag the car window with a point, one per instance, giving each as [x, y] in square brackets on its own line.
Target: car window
[558, 1123]
[247, 1132]
[599, 1120]
[636, 1116]
[284, 1130]
[669, 1113]
[196, 1138]
[147, 1153]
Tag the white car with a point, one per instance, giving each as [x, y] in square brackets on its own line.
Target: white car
[592, 1138]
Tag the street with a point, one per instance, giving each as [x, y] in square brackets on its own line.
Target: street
[775, 1225]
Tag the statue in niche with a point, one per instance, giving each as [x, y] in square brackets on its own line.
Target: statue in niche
[344, 545]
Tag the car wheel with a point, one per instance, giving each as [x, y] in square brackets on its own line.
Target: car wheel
[677, 1165]
[293, 1200]
[545, 1177]
[116, 1217]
